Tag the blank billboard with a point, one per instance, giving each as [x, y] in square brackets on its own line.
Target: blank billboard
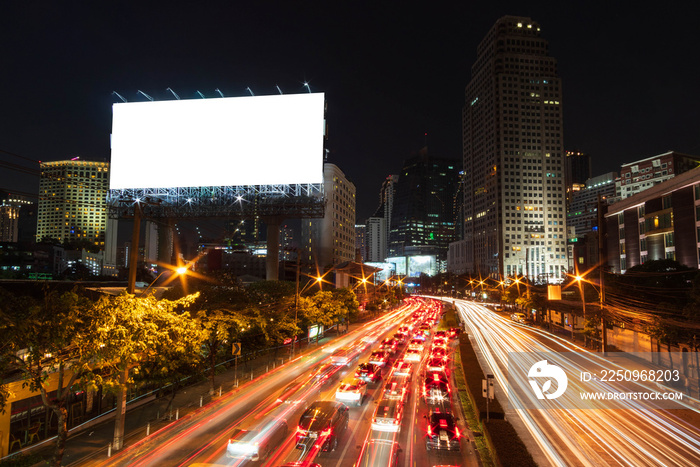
[232, 141]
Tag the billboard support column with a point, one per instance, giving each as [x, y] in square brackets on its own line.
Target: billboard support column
[273, 247]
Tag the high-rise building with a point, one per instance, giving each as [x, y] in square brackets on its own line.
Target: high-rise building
[641, 175]
[72, 201]
[582, 219]
[386, 203]
[582, 213]
[360, 243]
[423, 214]
[662, 222]
[331, 240]
[578, 167]
[12, 208]
[375, 240]
[514, 184]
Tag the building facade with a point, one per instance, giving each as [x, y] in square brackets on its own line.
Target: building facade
[582, 212]
[375, 239]
[386, 202]
[423, 214]
[662, 222]
[514, 184]
[15, 211]
[578, 167]
[72, 202]
[641, 175]
[331, 240]
[360, 243]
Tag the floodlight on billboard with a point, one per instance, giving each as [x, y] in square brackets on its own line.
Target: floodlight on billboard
[232, 141]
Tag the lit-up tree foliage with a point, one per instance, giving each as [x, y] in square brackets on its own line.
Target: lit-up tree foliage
[220, 327]
[45, 340]
[129, 330]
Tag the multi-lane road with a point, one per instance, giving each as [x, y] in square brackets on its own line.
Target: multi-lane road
[283, 395]
[563, 434]
[640, 434]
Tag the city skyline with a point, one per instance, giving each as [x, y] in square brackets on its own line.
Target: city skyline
[390, 76]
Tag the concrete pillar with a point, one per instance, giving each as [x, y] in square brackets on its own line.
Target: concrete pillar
[165, 242]
[273, 247]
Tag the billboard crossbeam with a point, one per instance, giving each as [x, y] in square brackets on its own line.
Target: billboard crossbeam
[245, 202]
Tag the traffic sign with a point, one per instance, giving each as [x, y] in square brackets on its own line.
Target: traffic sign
[236, 348]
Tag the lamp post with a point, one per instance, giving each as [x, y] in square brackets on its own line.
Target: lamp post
[579, 279]
[119, 420]
[179, 271]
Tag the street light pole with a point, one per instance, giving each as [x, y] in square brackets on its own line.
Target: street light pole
[601, 263]
[296, 308]
[120, 414]
[583, 301]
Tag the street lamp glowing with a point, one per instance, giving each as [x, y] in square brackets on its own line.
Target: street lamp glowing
[181, 270]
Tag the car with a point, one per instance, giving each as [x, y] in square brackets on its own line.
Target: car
[419, 336]
[425, 329]
[343, 356]
[438, 352]
[369, 372]
[413, 355]
[383, 452]
[440, 342]
[387, 416]
[396, 387]
[436, 388]
[443, 433]
[454, 332]
[518, 317]
[416, 344]
[402, 368]
[325, 374]
[436, 364]
[257, 444]
[441, 334]
[389, 345]
[379, 357]
[351, 391]
[406, 329]
[298, 393]
[400, 337]
[301, 464]
[323, 423]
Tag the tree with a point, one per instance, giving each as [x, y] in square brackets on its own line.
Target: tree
[129, 330]
[48, 341]
[692, 309]
[349, 304]
[664, 333]
[218, 326]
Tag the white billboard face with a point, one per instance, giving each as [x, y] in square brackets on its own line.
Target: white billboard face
[233, 141]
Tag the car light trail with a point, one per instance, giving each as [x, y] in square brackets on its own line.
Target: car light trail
[644, 435]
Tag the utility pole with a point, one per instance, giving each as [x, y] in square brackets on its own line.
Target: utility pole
[601, 264]
[120, 415]
[296, 305]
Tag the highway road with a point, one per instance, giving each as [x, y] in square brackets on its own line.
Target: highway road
[641, 434]
[201, 438]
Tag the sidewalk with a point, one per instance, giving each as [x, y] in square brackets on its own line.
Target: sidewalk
[90, 440]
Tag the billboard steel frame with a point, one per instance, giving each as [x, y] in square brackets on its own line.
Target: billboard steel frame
[244, 202]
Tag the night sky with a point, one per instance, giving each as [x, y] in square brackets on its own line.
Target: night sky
[391, 73]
